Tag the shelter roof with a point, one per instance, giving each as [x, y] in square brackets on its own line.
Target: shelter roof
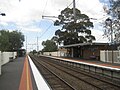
[83, 44]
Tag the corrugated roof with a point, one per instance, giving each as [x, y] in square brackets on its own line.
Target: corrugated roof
[83, 44]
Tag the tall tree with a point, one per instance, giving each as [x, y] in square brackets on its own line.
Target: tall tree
[114, 28]
[115, 8]
[11, 41]
[73, 30]
[4, 40]
[49, 46]
[16, 40]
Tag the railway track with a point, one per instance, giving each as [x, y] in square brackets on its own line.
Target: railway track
[91, 74]
[55, 82]
[76, 79]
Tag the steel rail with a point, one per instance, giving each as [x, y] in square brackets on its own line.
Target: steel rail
[88, 76]
[55, 75]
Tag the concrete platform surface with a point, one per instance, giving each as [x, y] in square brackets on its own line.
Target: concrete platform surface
[12, 74]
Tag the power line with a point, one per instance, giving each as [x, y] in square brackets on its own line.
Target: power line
[46, 30]
[44, 7]
[71, 3]
[42, 35]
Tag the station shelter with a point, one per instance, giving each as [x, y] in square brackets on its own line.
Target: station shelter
[86, 50]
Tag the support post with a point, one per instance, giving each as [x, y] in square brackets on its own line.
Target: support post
[37, 45]
[74, 10]
[26, 44]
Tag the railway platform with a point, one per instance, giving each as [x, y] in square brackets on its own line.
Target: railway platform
[89, 62]
[107, 69]
[20, 75]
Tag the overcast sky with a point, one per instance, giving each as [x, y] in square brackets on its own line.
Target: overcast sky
[26, 16]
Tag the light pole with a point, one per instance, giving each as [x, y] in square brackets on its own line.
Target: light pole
[26, 44]
[37, 45]
[109, 22]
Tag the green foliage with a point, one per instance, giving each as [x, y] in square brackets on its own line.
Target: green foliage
[16, 40]
[73, 30]
[115, 8]
[11, 41]
[49, 46]
[34, 52]
[4, 40]
[113, 28]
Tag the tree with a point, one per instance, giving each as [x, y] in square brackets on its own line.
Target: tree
[73, 30]
[114, 12]
[34, 52]
[114, 8]
[49, 46]
[16, 40]
[11, 41]
[4, 40]
[56, 40]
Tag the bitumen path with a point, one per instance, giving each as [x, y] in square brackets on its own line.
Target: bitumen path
[12, 74]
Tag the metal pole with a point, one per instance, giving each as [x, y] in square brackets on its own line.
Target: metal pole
[26, 44]
[74, 10]
[111, 33]
[37, 44]
[112, 40]
[108, 20]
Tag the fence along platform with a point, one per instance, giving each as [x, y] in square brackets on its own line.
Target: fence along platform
[6, 57]
[110, 56]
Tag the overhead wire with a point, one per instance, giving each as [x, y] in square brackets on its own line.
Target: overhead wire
[67, 6]
[71, 3]
[97, 20]
[45, 7]
[42, 14]
[46, 30]
[102, 18]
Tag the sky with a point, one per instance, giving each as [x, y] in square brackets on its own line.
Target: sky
[26, 17]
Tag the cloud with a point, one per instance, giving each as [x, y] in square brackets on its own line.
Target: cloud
[4, 23]
[24, 11]
[29, 10]
[26, 14]
[30, 28]
[34, 11]
[99, 36]
[93, 10]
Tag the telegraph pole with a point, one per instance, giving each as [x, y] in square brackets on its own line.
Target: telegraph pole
[37, 45]
[26, 44]
[74, 12]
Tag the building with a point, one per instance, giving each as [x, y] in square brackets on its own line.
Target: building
[86, 50]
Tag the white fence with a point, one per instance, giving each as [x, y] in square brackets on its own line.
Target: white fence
[52, 53]
[5, 57]
[110, 56]
[59, 53]
[105, 55]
